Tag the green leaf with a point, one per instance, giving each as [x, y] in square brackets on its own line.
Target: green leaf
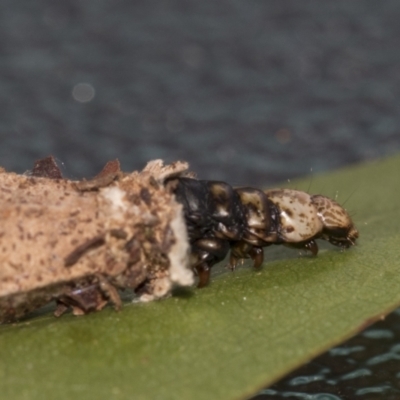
[228, 340]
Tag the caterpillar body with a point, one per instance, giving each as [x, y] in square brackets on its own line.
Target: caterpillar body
[244, 220]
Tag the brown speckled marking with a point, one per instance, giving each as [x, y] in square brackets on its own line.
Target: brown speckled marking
[112, 167]
[331, 212]
[108, 174]
[338, 226]
[47, 168]
[79, 251]
[296, 213]
[118, 233]
[145, 195]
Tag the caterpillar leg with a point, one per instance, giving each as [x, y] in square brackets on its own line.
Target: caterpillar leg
[242, 250]
[203, 272]
[206, 253]
[257, 255]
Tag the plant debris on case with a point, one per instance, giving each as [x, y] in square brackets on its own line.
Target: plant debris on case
[79, 242]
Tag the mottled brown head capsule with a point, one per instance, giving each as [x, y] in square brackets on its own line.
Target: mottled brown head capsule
[338, 228]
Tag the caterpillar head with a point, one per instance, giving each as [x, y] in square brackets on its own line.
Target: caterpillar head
[338, 227]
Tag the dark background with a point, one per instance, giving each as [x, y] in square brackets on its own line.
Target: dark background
[251, 92]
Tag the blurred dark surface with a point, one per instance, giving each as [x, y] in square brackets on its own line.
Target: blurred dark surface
[248, 91]
[366, 367]
[251, 92]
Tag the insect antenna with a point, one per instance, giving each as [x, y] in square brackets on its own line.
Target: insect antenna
[353, 214]
[349, 197]
[311, 181]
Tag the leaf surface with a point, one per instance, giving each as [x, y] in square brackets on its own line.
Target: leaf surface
[228, 340]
